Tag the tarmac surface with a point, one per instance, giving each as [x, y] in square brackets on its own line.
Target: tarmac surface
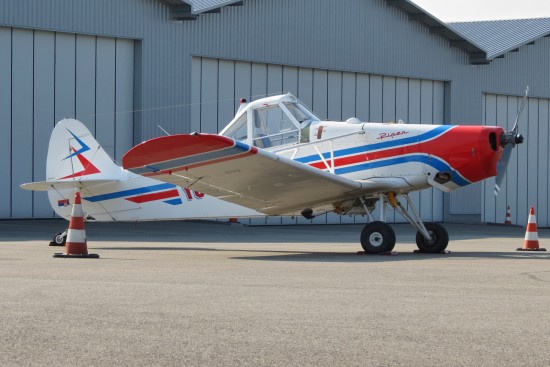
[210, 294]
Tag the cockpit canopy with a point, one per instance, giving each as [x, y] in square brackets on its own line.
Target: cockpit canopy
[271, 122]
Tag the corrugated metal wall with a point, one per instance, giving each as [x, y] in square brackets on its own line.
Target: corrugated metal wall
[355, 36]
[45, 77]
[218, 86]
[527, 176]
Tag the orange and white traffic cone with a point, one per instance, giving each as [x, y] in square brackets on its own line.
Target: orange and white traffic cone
[76, 236]
[508, 220]
[531, 242]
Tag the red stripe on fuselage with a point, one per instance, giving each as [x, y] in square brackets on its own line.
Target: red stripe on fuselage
[458, 146]
[154, 196]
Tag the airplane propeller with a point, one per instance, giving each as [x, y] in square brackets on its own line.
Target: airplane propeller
[508, 141]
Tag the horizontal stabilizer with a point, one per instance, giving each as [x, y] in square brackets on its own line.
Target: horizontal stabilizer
[63, 184]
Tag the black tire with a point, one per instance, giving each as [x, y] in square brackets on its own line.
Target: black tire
[439, 242]
[59, 239]
[377, 238]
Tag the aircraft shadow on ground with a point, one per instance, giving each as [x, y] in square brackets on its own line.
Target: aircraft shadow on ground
[342, 257]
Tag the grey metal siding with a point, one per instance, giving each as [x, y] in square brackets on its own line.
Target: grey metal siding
[21, 119]
[5, 122]
[45, 77]
[43, 111]
[359, 37]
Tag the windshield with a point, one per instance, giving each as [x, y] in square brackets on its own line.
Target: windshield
[300, 113]
[272, 127]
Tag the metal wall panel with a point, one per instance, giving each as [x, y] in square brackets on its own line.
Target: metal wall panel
[226, 93]
[105, 93]
[65, 54]
[209, 97]
[334, 93]
[22, 119]
[85, 93]
[305, 86]
[543, 165]
[5, 122]
[124, 100]
[243, 82]
[290, 80]
[320, 91]
[362, 97]
[258, 81]
[43, 113]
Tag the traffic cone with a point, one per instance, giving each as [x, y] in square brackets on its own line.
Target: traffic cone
[235, 221]
[76, 236]
[508, 220]
[531, 242]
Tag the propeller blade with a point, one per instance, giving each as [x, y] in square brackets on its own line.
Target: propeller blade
[515, 128]
[502, 166]
[509, 141]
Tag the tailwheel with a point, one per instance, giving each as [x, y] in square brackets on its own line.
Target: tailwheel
[438, 242]
[59, 239]
[377, 237]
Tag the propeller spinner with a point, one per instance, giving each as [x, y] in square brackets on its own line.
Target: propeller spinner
[508, 141]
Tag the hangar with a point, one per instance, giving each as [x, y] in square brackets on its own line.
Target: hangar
[125, 67]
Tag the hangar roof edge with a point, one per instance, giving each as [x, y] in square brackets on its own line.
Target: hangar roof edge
[498, 37]
[484, 41]
[416, 13]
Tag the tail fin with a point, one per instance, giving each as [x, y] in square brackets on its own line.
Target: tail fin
[75, 161]
[75, 158]
[75, 155]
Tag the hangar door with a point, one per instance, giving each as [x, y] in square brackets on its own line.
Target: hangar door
[217, 86]
[527, 177]
[45, 77]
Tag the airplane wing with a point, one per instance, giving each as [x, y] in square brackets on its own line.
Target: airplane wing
[236, 172]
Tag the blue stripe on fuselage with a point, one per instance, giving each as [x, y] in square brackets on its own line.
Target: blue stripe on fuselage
[379, 146]
[432, 161]
[130, 192]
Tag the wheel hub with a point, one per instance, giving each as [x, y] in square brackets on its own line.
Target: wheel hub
[376, 239]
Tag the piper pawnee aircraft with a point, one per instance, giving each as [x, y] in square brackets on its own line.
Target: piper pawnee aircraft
[277, 158]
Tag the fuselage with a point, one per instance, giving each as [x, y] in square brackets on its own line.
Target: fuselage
[444, 156]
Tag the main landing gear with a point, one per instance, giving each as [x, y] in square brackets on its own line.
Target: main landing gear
[378, 237]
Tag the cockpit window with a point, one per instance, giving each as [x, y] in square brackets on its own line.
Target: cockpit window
[272, 127]
[299, 112]
[239, 130]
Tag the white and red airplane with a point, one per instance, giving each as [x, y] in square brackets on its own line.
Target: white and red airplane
[277, 158]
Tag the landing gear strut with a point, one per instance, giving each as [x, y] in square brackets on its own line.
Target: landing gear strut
[378, 237]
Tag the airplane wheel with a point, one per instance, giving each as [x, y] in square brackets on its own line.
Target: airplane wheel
[439, 242]
[59, 239]
[377, 237]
